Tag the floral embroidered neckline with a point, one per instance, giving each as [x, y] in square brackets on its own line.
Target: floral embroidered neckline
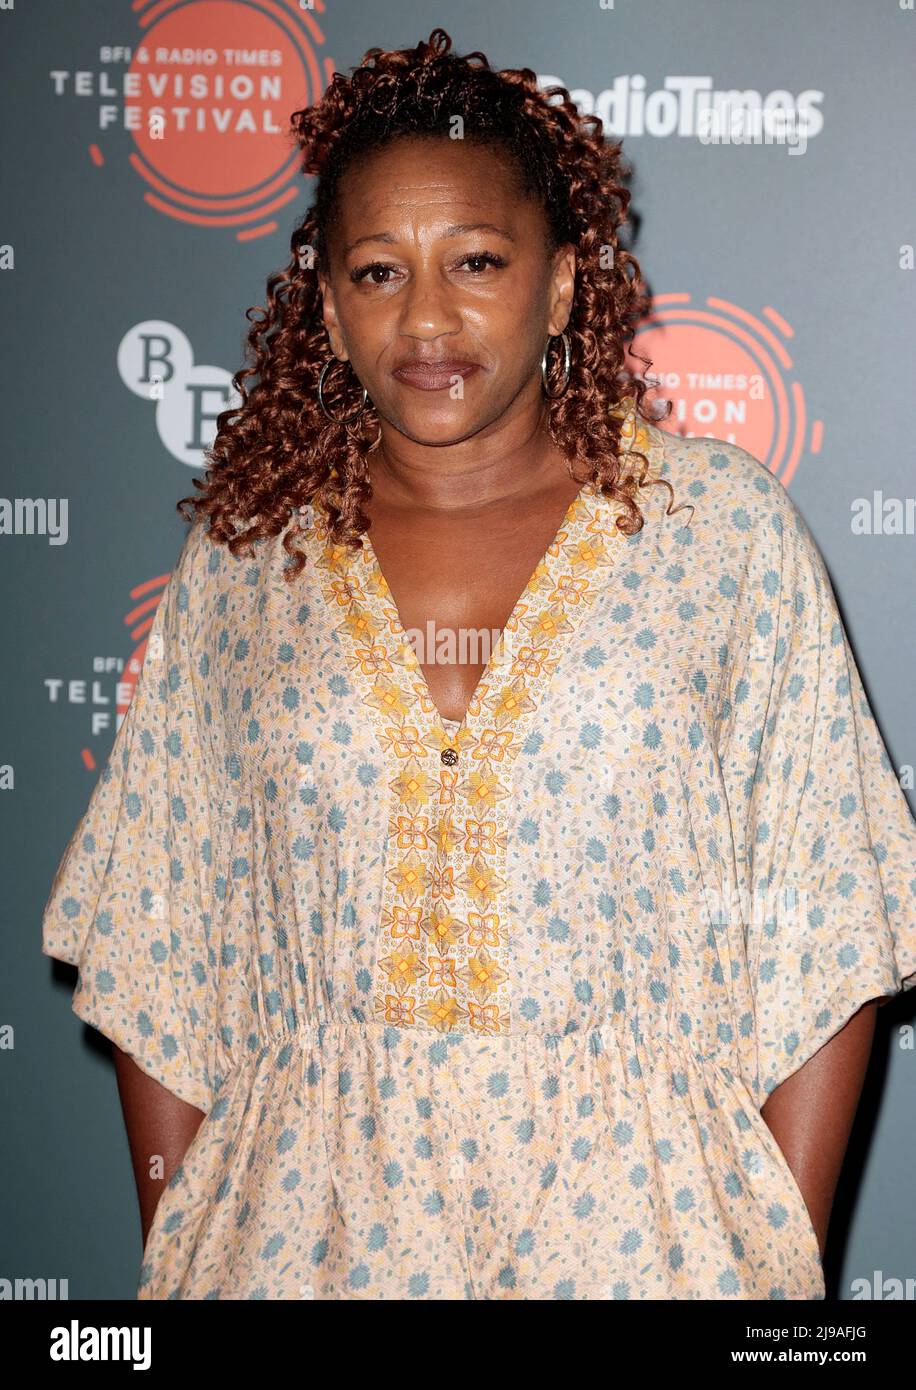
[527, 623]
[544, 611]
[443, 957]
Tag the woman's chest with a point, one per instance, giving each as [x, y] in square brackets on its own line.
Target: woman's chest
[308, 678]
[452, 583]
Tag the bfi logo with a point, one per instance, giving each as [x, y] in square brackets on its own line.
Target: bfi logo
[156, 363]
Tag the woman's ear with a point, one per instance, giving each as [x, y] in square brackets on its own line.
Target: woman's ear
[562, 289]
[330, 319]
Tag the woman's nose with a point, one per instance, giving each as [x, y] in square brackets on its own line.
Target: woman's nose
[428, 306]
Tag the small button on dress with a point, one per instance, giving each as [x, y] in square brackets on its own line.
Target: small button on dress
[489, 1009]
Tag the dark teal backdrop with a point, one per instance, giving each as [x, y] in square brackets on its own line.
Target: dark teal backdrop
[796, 264]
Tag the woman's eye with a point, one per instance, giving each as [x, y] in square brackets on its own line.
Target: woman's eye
[479, 259]
[358, 275]
[487, 257]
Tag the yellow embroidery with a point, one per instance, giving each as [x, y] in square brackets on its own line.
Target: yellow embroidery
[443, 956]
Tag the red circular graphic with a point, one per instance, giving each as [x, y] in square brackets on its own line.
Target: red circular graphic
[729, 375]
[203, 149]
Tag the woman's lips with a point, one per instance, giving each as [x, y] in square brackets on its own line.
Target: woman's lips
[434, 377]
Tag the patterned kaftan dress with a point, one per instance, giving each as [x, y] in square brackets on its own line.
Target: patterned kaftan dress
[490, 1009]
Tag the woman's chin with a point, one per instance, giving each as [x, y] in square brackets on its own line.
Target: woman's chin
[437, 425]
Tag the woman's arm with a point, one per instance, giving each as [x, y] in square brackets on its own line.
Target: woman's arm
[160, 1128]
[812, 1112]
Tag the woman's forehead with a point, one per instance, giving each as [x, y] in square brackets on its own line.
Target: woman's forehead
[412, 162]
[457, 186]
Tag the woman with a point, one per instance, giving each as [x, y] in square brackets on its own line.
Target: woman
[548, 974]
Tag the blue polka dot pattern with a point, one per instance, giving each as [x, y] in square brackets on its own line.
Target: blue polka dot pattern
[500, 1027]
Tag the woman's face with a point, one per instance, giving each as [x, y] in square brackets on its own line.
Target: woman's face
[444, 320]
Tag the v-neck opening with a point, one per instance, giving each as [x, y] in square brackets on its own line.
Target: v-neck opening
[531, 643]
[453, 737]
[443, 957]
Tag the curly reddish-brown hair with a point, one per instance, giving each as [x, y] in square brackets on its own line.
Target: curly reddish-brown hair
[278, 451]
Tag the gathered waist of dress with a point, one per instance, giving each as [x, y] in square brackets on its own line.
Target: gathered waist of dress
[641, 1045]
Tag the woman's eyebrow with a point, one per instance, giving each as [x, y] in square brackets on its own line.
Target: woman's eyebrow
[457, 229]
[460, 228]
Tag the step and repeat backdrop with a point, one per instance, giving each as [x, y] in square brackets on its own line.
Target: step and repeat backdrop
[778, 244]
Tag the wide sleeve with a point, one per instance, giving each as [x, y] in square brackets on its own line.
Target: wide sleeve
[131, 902]
[824, 831]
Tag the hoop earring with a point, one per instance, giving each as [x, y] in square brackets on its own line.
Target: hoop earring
[554, 395]
[347, 419]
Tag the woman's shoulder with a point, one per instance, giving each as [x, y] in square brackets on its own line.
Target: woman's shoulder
[702, 465]
[206, 565]
[738, 503]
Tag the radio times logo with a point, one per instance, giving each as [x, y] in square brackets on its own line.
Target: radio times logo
[730, 375]
[205, 95]
[690, 107]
